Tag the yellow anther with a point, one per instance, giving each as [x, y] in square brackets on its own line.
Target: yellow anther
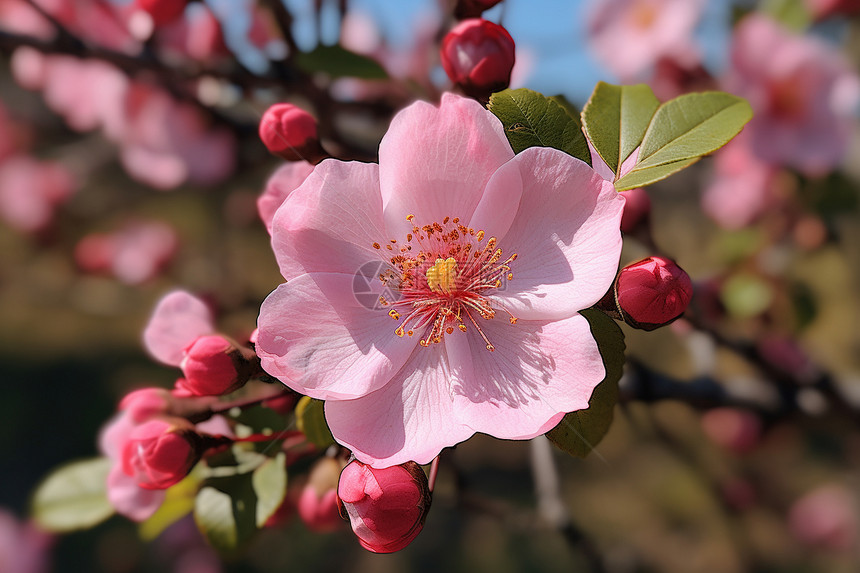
[513, 320]
[490, 347]
[480, 236]
[399, 331]
[442, 276]
[393, 314]
[462, 327]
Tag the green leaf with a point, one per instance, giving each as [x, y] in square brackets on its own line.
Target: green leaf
[579, 432]
[793, 14]
[642, 177]
[310, 419]
[226, 512]
[339, 62]
[682, 131]
[615, 119]
[74, 496]
[692, 125]
[531, 119]
[270, 486]
[178, 502]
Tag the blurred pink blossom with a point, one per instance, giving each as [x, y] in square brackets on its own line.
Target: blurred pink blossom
[630, 36]
[31, 190]
[166, 143]
[826, 518]
[197, 36]
[803, 92]
[23, 547]
[134, 254]
[742, 187]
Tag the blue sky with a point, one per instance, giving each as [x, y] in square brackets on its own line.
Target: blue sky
[552, 32]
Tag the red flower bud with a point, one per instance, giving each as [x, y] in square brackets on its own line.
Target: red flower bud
[213, 365]
[478, 56]
[473, 8]
[162, 11]
[160, 452]
[652, 292]
[386, 507]
[291, 132]
[318, 501]
[637, 209]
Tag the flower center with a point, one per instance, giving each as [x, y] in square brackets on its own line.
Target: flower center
[443, 275]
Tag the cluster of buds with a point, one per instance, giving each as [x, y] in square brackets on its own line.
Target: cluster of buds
[649, 294]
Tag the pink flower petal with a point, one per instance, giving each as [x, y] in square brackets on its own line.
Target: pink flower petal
[129, 499]
[566, 234]
[282, 182]
[178, 319]
[410, 418]
[325, 335]
[436, 161]
[538, 371]
[330, 223]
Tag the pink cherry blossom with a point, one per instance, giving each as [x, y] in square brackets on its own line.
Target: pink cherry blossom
[630, 36]
[31, 190]
[803, 93]
[123, 492]
[23, 547]
[178, 320]
[413, 355]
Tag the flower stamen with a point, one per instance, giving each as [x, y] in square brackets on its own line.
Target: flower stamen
[451, 273]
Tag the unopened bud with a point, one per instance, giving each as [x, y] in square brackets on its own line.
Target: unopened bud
[652, 293]
[472, 8]
[214, 365]
[637, 209]
[478, 56]
[317, 503]
[160, 453]
[386, 507]
[290, 132]
[162, 11]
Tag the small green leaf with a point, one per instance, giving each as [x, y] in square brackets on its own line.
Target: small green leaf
[647, 176]
[339, 62]
[692, 125]
[615, 119]
[310, 419]
[226, 512]
[793, 14]
[270, 485]
[178, 502]
[74, 496]
[531, 119]
[579, 432]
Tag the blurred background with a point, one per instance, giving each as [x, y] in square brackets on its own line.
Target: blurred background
[130, 165]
